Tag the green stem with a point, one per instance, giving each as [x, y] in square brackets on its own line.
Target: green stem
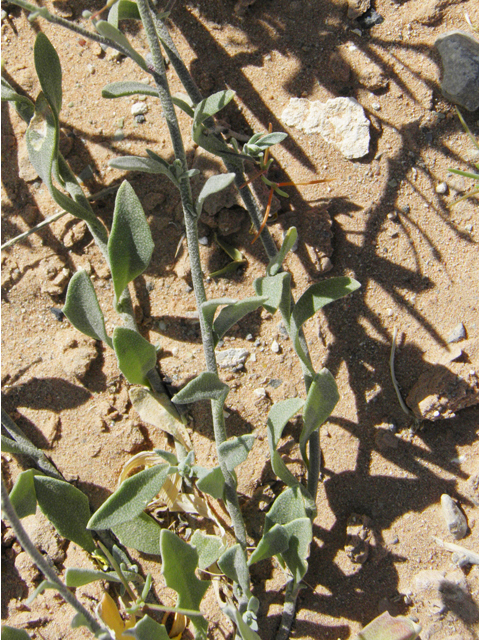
[289, 608]
[158, 72]
[42, 564]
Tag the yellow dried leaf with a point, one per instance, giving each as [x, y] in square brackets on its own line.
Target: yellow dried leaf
[110, 615]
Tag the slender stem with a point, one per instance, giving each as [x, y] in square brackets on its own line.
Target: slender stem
[289, 608]
[42, 564]
[119, 571]
[158, 72]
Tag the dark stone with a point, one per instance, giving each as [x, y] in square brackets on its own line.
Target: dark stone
[459, 53]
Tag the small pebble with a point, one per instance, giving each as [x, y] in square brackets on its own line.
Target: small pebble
[389, 313]
[405, 209]
[469, 228]
[249, 336]
[441, 188]
[140, 119]
[275, 347]
[376, 106]
[203, 241]
[457, 334]
[118, 136]
[274, 383]
[139, 109]
[162, 325]
[454, 518]
[257, 342]
[259, 393]
[392, 215]
[91, 69]
[188, 288]
[392, 183]
[58, 313]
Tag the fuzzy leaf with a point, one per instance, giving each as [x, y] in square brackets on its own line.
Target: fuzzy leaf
[209, 548]
[315, 298]
[138, 163]
[210, 306]
[131, 498]
[232, 252]
[213, 185]
[141, 533]
[278, 417]
[179, 563]
[206, 386]
[128, 88]
[130, 245]
[211, 105]
[246, 632]
[147, 629]
[231, 314]
[233, 563]
[123, 10]
[386, 627]
[42, 145]
[23, 496]
[82, 308]
[235, 450]
[67, 509]
[159, 411]
[288, 506]
[10, 633]
[272, 543]
[300, 536]
[79, 577]
[184, 103]
[210, 481]
[136, 356]
[277, 289]
[40, 589]
[106, 29]
[321, 400]
[49, 71]
[23, 105]
[270, 139]
[275, 265]
[21, 444]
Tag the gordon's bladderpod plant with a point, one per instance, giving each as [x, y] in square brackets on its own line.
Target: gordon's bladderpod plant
[173, 478]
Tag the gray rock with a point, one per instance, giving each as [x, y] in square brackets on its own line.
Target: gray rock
[357, 8]
[459, 53]
[454, 518]
[457, 334]
[232, 358]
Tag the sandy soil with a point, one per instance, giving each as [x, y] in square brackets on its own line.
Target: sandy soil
[380, 220]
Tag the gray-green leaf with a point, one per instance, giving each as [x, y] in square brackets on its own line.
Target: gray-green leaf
[107, 30]
[273, 542]
[278, 417]
[123, 10]
[67, 509]
[23, 496]
[127, 88]
[235, 450]
[147, 629]
[49, 71]
[213, 185]
[131, 498]
[315, 298]
[211, 105]
[136, 356]
[210, 481]
[321, 400]
[277, 289]
[275, 264]
[300, 536]
[231, 314]
[10, 633]
[288, 506]
[233, 563]
[141, 533]
[130, 245]
[206, 386]
[179, 563]
[82, 308]
[23, 105]
[209, 548]
[79, 577]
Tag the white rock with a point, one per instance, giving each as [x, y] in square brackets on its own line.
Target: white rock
[259, 393]
[340, 121]
[275, 347]
[139, 109]
[232, 358]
